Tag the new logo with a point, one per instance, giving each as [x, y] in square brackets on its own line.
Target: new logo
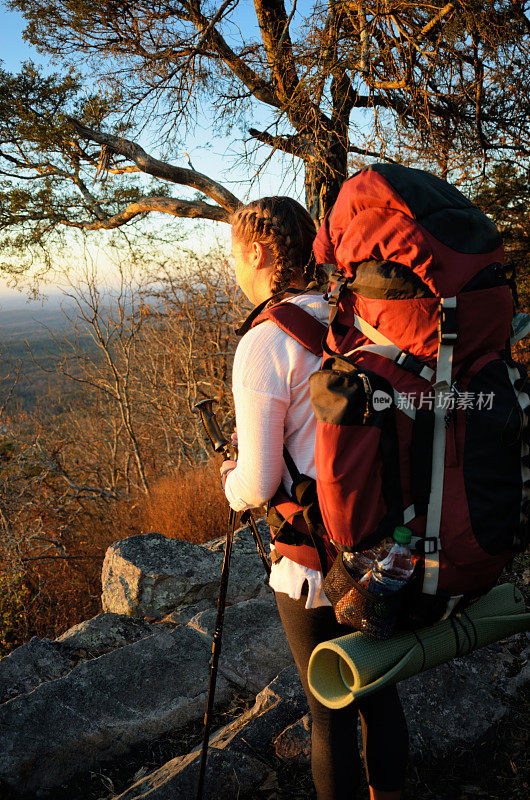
[381, 400]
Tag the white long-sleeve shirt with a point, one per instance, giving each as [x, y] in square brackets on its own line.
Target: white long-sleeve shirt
[273, 407]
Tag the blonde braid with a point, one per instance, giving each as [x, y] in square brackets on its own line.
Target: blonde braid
[287, 230]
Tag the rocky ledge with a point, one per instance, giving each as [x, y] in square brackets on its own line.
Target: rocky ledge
[140, 670]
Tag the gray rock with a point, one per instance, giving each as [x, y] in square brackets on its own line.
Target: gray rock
[460, 701]
[31, 664]
[277, 706]
[231, 750]
[255, 647]
[106, 632]
[228, 774]
[247, 574]
[103, 707]
[184, 615]
[294, 743]
[151, 576]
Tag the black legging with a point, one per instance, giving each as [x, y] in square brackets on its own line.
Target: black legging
[335, 760]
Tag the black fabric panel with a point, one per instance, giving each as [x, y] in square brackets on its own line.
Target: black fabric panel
[421, 459]
[492, 460]
[387, 280]
[489, 277]
[342, 394]
[442, 209]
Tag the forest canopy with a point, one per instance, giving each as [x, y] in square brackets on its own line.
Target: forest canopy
[329, 86]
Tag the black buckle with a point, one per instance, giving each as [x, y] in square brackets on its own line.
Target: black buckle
[340, 281]
[447, 325]
[409, 362]
[427, 545]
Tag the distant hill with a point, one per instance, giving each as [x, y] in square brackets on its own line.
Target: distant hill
[31, 331]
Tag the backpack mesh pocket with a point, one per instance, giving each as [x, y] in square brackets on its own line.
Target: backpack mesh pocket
[374, 615]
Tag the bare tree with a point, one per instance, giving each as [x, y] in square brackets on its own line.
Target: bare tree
[141, 357]
[192, 309]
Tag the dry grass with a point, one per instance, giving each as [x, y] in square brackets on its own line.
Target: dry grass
[189, 506]
[59, 590]
[55, 592]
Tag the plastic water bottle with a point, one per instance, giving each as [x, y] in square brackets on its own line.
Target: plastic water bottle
[395, 569]
[361, 564]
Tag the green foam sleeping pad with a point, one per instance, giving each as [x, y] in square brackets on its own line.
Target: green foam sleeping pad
[350, 667]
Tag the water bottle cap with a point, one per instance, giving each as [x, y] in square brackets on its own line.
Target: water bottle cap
[402, 535]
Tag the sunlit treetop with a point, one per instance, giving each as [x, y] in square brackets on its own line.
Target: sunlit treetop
[329, 85]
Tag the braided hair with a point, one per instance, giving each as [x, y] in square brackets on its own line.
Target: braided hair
[287, 230]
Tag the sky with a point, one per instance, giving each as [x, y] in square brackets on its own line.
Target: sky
[210, 157]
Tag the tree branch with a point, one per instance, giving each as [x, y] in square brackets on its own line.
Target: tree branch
[371, 153]
[166, 205]
[443, 12]
[89, 197]
[274, 27]
[160, 169]
[289, 144]
[261, 89]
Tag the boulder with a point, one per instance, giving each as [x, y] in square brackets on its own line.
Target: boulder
[278, 705]
[247, 574]
[184, 615]
[103, 707]
[232, 770]
[151, 576]
[104, 633]
[31, 664]
[255, 647]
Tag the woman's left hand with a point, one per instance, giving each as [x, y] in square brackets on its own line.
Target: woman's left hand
[226, 467]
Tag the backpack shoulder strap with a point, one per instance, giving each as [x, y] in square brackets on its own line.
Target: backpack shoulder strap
[298, 324]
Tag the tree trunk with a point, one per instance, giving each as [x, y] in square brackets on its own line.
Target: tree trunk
[326, 169]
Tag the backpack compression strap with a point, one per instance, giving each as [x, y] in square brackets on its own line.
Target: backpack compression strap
[447, 337]
[384, 347]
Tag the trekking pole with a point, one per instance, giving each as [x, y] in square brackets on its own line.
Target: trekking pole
[220, 445]
[216, 649]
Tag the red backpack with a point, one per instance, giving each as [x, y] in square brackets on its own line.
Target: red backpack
[422, 415]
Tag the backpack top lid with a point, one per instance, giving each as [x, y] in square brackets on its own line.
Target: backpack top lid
[393, 214]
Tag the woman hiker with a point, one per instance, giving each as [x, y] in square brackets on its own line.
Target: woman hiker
[271, 246]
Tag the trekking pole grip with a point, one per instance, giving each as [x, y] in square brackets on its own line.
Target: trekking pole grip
[211, 426]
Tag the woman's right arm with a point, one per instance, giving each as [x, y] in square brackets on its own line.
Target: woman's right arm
[261, 399]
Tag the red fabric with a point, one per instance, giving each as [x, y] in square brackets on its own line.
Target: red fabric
[298, 324]
[348, 463]
[370, 221]
[484, 322]
[301, 553]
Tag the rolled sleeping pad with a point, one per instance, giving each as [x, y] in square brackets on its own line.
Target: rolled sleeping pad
[352, 666]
